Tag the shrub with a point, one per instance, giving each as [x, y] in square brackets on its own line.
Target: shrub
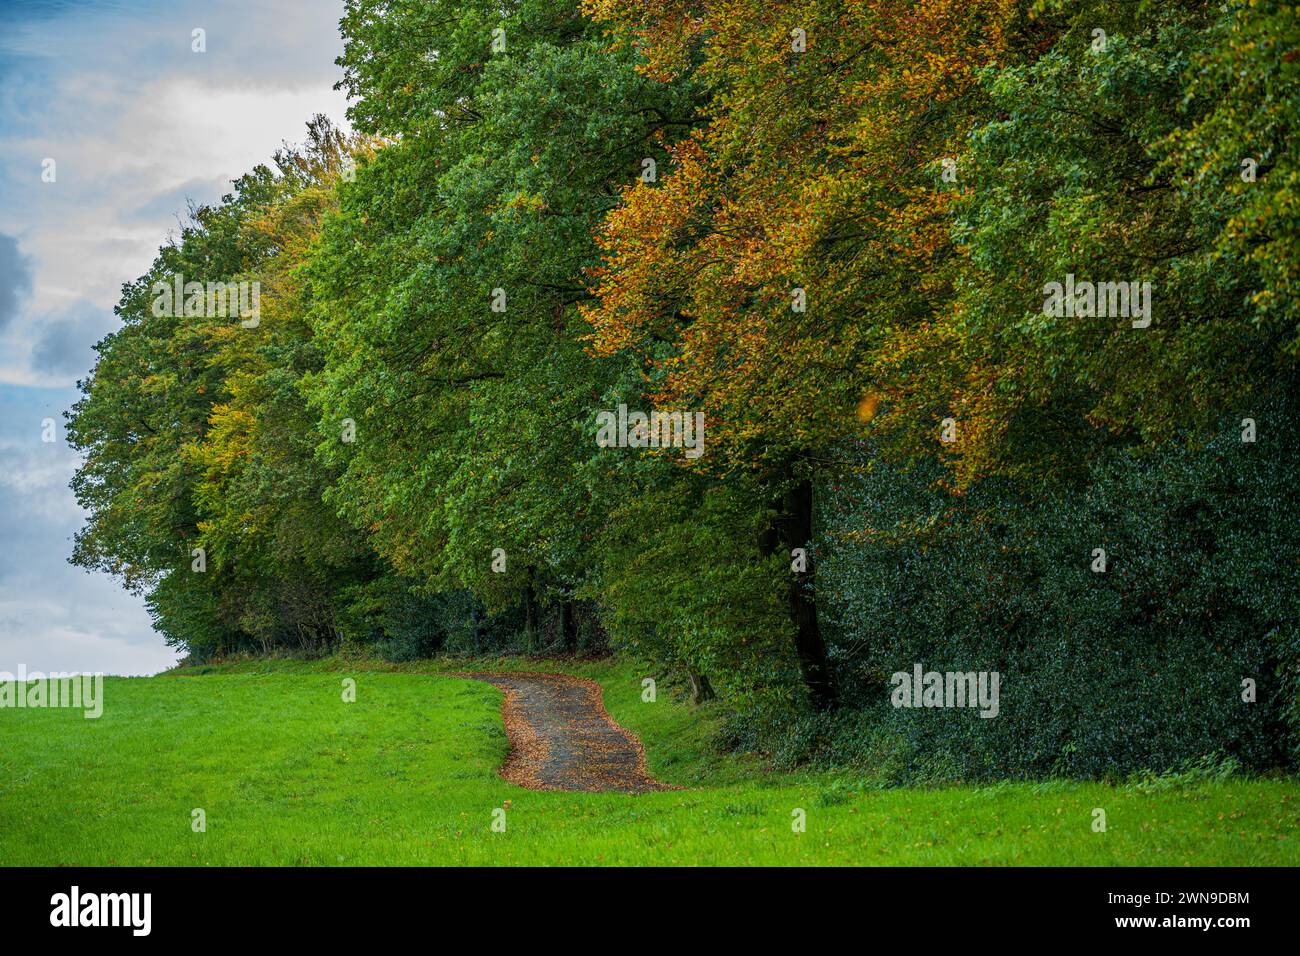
[1137, 669]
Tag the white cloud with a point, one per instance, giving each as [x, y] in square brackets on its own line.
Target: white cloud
[137, 124]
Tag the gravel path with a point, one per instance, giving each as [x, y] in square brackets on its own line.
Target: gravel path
[561, 738]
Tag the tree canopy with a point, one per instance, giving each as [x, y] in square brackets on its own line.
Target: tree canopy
[934, 275]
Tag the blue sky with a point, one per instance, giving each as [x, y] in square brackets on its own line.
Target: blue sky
[138, 126]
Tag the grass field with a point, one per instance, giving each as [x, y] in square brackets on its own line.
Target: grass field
[286, 772]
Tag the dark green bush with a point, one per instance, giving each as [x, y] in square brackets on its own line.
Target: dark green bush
[1139, 668]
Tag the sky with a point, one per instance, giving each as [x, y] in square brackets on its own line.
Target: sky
[139, 126]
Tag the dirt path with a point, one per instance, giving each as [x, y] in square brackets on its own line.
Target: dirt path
[561, 738]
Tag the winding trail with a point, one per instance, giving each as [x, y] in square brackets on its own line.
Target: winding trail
[561, 738]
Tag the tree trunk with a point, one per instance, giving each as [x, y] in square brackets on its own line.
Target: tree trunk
[701, 689]
[530, 616]
[795, 531]
[568, 626]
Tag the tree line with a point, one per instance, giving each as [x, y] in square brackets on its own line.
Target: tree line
[828, 226]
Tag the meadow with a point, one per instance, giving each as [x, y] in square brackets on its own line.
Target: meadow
[286, 772]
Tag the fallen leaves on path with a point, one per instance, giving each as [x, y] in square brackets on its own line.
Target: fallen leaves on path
[561, 737]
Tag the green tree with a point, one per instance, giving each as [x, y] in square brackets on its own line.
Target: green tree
[451, 277]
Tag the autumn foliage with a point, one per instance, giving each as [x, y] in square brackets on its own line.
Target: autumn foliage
[827, 225]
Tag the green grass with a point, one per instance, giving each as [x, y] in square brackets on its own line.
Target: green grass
[288, 773]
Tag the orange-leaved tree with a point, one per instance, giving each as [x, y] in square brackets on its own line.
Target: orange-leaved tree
[799, 246]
